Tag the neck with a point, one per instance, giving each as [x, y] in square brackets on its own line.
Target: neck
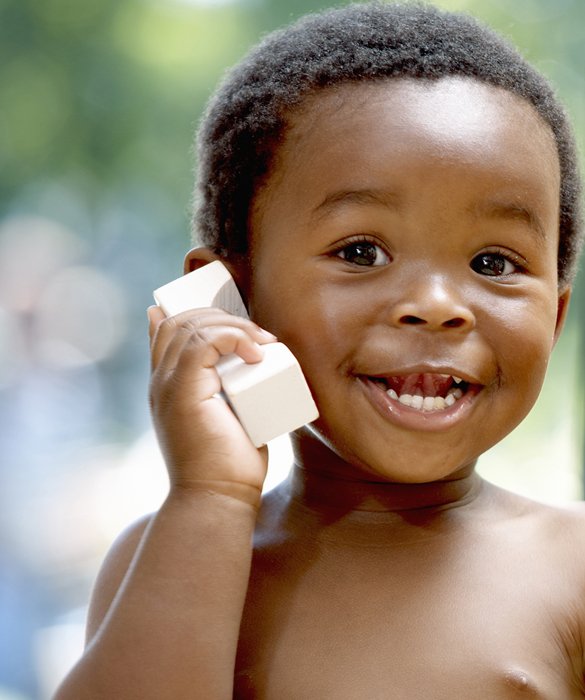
[328, 495]
[326, 490]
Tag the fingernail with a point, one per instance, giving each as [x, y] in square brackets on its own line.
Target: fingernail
[268, 334]
[151, 312]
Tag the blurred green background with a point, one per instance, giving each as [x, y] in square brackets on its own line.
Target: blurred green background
[98, 104]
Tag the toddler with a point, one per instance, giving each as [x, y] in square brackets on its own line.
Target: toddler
[395, 192]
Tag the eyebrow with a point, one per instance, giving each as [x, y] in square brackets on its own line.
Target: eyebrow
[506, 210]
[385, 198]
[512, 211]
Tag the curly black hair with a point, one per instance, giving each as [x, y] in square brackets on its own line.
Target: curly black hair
[246, 119]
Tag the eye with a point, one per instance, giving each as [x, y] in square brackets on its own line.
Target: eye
[494, 265]
[363, 253]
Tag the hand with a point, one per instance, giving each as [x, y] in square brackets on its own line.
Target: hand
[201, 439]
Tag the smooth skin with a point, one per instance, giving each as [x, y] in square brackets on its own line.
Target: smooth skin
[408, 228]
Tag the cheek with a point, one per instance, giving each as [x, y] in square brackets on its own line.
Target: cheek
[315, 323]
[328, 321]
[292, 307]
[316, 332]
[524, 336]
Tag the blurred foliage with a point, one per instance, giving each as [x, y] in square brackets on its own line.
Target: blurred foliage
[99, 101]
[97, 96]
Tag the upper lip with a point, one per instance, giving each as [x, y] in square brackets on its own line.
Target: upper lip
[463, 374]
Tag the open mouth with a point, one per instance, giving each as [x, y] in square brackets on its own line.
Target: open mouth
[425, 392]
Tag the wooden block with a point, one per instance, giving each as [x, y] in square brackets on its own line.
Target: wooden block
[270, 397]
[209, 286]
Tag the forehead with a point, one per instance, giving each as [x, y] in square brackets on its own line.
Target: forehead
[364, 135]
[450, 113]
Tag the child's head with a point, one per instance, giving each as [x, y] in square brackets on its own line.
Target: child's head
[248, 117]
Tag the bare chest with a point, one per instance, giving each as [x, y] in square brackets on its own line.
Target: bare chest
[438, 623]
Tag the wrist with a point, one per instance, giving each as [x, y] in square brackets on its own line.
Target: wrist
[225, 493]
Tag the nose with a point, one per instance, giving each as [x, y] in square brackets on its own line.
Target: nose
[433, 302]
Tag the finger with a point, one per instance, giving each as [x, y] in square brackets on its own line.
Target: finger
[202, 347]
[155, 317]
[218, 317]
[190, 359]
[195, 320]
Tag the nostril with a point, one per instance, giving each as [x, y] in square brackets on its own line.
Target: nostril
[454, 322]
[412, 320]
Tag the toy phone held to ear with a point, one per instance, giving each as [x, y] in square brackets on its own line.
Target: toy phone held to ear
[270, 397]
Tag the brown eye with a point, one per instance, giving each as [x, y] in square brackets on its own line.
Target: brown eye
[364, 253]
[492, 265]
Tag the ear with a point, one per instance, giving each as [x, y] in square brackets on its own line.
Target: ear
[562, 309]
[198, 257]
[238, 269]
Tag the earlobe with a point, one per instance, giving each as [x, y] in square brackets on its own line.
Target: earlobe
[562, 309]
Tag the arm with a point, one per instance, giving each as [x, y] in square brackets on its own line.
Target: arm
[165, 617]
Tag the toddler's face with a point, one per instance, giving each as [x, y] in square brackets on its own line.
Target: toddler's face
[407, 239]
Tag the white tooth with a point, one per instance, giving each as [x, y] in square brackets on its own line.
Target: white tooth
[439, 402]
[417, 401]
[444, 376]
[429, 403]
[450, 399]
[392, 394]
[457, 393]
[457, 380]
[406, 399]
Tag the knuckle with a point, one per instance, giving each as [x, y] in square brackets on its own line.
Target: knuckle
[191, 324]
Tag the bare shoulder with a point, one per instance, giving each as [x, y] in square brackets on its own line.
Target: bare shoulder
[560, 527]
[567, 525]
[112, 573]
[560, 520]
[513, 504]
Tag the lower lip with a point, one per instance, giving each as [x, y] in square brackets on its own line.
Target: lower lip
[415, 419]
